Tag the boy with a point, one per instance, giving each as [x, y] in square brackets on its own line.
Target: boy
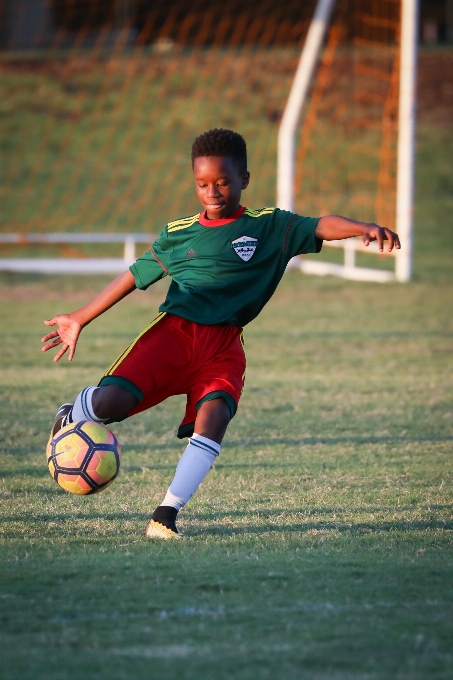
[225, 265]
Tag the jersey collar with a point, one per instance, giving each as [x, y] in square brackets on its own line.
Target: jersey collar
[206, 222]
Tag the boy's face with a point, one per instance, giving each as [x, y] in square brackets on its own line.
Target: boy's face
[219, 185]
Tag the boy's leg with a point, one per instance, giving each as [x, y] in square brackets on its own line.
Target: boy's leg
[212, 419]
[133, 383]
[112, 402]
[196, 461]
[100, 404]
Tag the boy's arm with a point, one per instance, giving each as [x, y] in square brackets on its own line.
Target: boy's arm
[71, 325]
[332, 227]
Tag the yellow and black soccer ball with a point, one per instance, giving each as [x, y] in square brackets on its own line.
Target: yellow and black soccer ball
[84, 457]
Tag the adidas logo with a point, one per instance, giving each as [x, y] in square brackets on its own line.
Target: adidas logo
[191, 254]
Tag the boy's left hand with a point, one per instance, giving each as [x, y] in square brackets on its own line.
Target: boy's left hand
[380, 234]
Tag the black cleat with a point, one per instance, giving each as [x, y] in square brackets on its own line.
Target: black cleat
[60, 419]
[163, 523]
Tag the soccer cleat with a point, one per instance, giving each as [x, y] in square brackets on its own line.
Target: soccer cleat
[60, 419]
[158, 530]
[163, 523]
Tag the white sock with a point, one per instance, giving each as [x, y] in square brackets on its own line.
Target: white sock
[192, 468]
[83, 407]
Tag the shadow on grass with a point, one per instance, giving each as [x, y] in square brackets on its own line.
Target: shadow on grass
[305, 527]
[305, 512]
[317, 527]
[88, 516]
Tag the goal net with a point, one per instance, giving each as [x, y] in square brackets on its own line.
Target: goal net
[101, 101]
[346, 154]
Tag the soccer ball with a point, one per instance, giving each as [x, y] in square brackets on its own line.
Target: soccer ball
[84, 457]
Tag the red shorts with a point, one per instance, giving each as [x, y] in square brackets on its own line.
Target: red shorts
[175, 356]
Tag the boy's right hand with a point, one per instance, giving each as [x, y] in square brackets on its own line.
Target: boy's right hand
[70, 325]
[67, 335]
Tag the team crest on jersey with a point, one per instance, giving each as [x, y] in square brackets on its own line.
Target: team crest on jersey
[244, 246]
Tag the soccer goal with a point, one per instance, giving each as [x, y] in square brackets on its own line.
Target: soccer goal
[353, 154]
[102, 101]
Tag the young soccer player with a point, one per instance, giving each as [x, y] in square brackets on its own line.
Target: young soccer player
[225, 264]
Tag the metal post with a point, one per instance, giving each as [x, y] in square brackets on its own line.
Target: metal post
[406, 136]
[129, 250]
[349, 253]
[296, 99]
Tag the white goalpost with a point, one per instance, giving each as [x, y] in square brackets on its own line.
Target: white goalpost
[406, 136]
[405, 151]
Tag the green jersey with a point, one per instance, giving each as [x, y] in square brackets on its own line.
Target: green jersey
[224, 271]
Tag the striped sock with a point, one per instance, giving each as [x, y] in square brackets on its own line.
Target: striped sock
[193, 466]
[83, 407]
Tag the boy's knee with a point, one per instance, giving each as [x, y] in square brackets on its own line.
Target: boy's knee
[112, 401]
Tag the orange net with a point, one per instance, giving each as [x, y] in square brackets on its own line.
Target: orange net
[346, 161]
[102, 100]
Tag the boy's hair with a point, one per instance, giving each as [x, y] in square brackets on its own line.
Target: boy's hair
[224, 143]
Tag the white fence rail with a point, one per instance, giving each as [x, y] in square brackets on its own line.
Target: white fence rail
[73, 265]
[347, 270]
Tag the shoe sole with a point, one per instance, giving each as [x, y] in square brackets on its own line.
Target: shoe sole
[158, 530]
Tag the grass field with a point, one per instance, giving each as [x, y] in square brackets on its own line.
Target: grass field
[321, 543]
[320, 546]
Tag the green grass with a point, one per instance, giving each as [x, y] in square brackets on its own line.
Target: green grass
[320, 545]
